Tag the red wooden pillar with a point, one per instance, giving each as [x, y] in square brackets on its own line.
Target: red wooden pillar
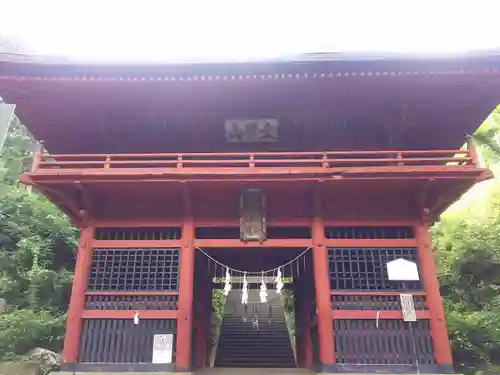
[439, 333]
[186, 279]
[322, 286]
[77, 301]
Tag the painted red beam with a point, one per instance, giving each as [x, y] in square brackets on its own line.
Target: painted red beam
[129, 314]
[287, 242]
[372, 314]
[205, 222]
[373, 293]
[139, 293]
[366, 223]
[261, 154]
[202, 222]
[139, 176]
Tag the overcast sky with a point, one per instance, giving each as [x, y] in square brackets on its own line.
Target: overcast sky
[216, 29]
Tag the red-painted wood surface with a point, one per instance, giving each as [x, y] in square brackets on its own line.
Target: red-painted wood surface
[439, 333]
[374, 314]
[186, 281]
[129, 314]
[256, 162]
[77, 301]
[322, 285]
[122, 293]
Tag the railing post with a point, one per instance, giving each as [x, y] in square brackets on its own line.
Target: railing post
[106, 164]
[37, 157]
[399, 157]
[471, 150]
[325, 161]
[179, 161]
[252, 161]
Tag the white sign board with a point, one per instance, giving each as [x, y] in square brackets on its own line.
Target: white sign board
[402, 270]
[162, 348]
[408, 308]
[251, 131]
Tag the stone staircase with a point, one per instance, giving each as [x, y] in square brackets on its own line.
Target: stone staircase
[254, 371]
[255, 337]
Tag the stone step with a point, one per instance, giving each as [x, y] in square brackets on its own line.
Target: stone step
[254, 371]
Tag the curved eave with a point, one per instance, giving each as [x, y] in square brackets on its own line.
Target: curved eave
[14, 67]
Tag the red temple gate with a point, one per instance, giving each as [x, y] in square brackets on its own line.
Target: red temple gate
[367, 155]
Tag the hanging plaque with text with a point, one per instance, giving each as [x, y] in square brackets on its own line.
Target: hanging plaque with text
[162, 348]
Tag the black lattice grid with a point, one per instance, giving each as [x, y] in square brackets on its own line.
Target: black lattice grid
[134, 270]
[113, 302]
[130, 234]
[369, 233]
[365, 268]
[363, 341]
[373, 302]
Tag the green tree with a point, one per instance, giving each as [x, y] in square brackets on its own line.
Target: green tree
[467, 245]
[487, 138]
[37, 245]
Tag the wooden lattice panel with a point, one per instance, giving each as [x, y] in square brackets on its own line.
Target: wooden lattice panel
[134, 270]
[131, 234]
[120, 340]
[386, 342]
[369, 233]
[378, 302]
[365, 268]
[134, 302]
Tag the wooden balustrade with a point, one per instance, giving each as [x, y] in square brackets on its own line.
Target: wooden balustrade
[268, 160]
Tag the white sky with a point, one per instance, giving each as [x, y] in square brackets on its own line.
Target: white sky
[217, 29]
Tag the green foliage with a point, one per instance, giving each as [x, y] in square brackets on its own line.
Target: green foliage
[37, 245]
[25, 329]
[487, 138]
[468, 257]
[16, 155]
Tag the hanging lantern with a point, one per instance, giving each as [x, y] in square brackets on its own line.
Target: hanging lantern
[279, 282]
[263, 290]
[244, 291]
[227, 284]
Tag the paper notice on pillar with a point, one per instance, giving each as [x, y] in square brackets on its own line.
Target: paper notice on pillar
[162, 348]
[408, 308]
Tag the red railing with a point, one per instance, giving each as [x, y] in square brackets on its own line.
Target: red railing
[308, 160]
